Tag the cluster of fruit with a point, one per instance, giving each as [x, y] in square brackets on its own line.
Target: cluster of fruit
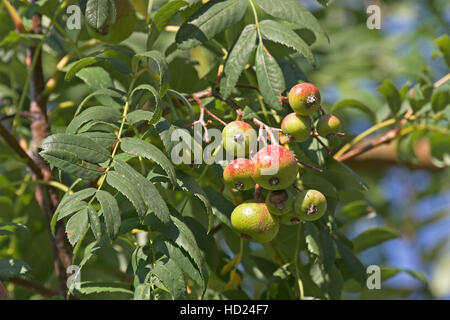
[275, 168]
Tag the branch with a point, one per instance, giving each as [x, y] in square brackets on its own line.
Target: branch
[315, 135]
[269, 130]
[387, 137]
[3, 293]
[47, 197]
[34, 286]
[12, 142]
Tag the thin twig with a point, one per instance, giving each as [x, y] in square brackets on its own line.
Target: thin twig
[308, 165]
[268, 129]
[387, 137]
[315, 135]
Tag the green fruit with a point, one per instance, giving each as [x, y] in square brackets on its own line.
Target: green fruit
[290, 219]
[310, 205]
[304, 99]
[328, 125]
[254, 222]
[238, 138]
[297, 127]
[280, 202]
[121, 28]
[238, 174]
[275, 168]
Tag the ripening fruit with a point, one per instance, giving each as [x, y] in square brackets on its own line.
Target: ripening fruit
[304, 98]
[238, 138]
[280, 202]
[122, 27]
[275, 168]
[328, 125]
[310, 205]
[238, 174]
[290, 219]
[297, 127]
[254, 222]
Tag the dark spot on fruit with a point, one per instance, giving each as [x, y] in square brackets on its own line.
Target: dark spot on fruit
[246, 236]
[274, 181]
[239, 185]
[238, 138]
[295, 220]
[311, 101]
[311, 209]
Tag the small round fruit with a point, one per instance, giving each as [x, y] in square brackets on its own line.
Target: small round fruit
[280, 202]
[304, 98]
[275, 168]
[290, 219]
[297, 127]
[238, 174]
[122, 27]
[328, 125]
[254, 222]
[238, 138]
[310, 205]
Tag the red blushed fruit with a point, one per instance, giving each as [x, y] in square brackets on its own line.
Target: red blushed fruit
[238, 137]
[304, 99]
[275, 168]
[238, 174]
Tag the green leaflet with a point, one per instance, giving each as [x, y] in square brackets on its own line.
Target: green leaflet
[211, 19]
[76, 226]
[83, 147]
[145, 149]
[270, 77]
[277, 32]
[293, 11]
[98, 113]
[237, 60]
[111, 212]
[141, 192]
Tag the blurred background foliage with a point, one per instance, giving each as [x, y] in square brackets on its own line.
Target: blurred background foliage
[412, 198]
